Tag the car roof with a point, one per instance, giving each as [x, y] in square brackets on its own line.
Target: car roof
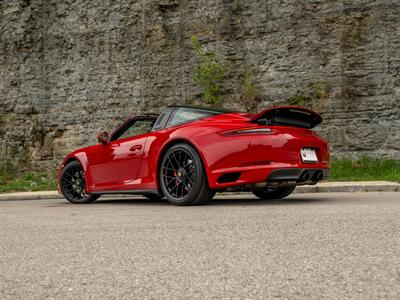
[154, 115]
[168, 111]
[145, 115]
[221, 110]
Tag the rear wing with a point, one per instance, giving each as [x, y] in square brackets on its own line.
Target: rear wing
[288, 116]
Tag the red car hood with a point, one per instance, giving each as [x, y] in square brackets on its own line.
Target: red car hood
[288, 116]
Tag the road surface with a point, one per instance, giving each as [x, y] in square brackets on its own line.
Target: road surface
[309, 246]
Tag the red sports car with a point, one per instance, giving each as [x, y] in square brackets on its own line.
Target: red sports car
[187, 154]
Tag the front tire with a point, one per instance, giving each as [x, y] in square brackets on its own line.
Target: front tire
[182, 177]
[277, 193]
[73, 184]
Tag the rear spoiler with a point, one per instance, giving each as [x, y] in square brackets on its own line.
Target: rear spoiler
[288, 116]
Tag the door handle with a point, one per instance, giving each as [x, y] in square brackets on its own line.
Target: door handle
[135, 147]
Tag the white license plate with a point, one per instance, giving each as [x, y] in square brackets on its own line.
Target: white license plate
[308, 155]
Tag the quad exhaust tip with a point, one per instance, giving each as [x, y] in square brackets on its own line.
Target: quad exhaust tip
[304, 176]
[318, 176]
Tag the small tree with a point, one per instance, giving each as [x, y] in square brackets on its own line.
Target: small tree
[248, 90]
[209, 72]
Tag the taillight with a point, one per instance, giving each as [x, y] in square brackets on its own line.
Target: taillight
[247, 131]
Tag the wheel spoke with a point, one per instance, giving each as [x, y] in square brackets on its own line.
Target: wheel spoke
[183, 188]
[172, 180]
[187, 164]
[68, 180]
[175, 186]
[69, 175]
[179, 158]
[69, 189]
[177, 162]
[189, 179]
[172, 165]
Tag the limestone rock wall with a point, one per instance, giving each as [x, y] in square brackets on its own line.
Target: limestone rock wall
[70, 68]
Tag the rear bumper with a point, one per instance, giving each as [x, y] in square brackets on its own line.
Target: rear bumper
[276, 173]
[295, 174]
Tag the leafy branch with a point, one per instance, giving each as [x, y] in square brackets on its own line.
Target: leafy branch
[209, 73]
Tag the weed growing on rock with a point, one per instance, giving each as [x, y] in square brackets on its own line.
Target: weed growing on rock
[209, 73]
[237, 7]
[300, 99]
[248, 91]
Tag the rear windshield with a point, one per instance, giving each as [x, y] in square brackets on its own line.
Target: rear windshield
[188, 114]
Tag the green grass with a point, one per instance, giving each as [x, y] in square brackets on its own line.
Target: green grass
[27, 182]
[365, 169]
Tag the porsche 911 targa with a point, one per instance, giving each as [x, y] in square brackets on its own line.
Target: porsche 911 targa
[187, 154]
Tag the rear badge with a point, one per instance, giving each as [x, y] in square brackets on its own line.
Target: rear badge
[308, 155]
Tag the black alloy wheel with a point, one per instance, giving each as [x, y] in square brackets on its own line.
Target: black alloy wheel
[182, 177]
[73, 184]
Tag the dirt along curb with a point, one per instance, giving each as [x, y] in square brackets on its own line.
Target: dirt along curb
[326, 187]
[350, 187]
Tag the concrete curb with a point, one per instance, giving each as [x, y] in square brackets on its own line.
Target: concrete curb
[350, 187]
[326, 187]
[30, 196]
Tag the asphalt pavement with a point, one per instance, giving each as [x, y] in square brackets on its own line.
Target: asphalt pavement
[308, 246]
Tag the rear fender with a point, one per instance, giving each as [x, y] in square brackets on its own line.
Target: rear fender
[178, 140]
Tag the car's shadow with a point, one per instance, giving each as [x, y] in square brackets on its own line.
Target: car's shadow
[217, 201]
[251, 201]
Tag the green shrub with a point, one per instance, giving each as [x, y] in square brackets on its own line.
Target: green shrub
[300, 99]
[312, 97]
[237, 7]
[248, 90]
[7, 169]
[209, 73]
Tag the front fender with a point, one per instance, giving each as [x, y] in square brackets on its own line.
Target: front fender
[80, 156]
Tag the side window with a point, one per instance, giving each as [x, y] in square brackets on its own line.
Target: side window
[136, 128]
[185, 114]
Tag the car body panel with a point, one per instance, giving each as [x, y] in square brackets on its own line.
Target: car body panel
[115, 167]
[116, 164]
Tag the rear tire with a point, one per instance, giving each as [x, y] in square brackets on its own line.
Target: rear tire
[182, 177]
[277, 193]
[73, 184]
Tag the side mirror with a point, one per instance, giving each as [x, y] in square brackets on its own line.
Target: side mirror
[103, 137]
